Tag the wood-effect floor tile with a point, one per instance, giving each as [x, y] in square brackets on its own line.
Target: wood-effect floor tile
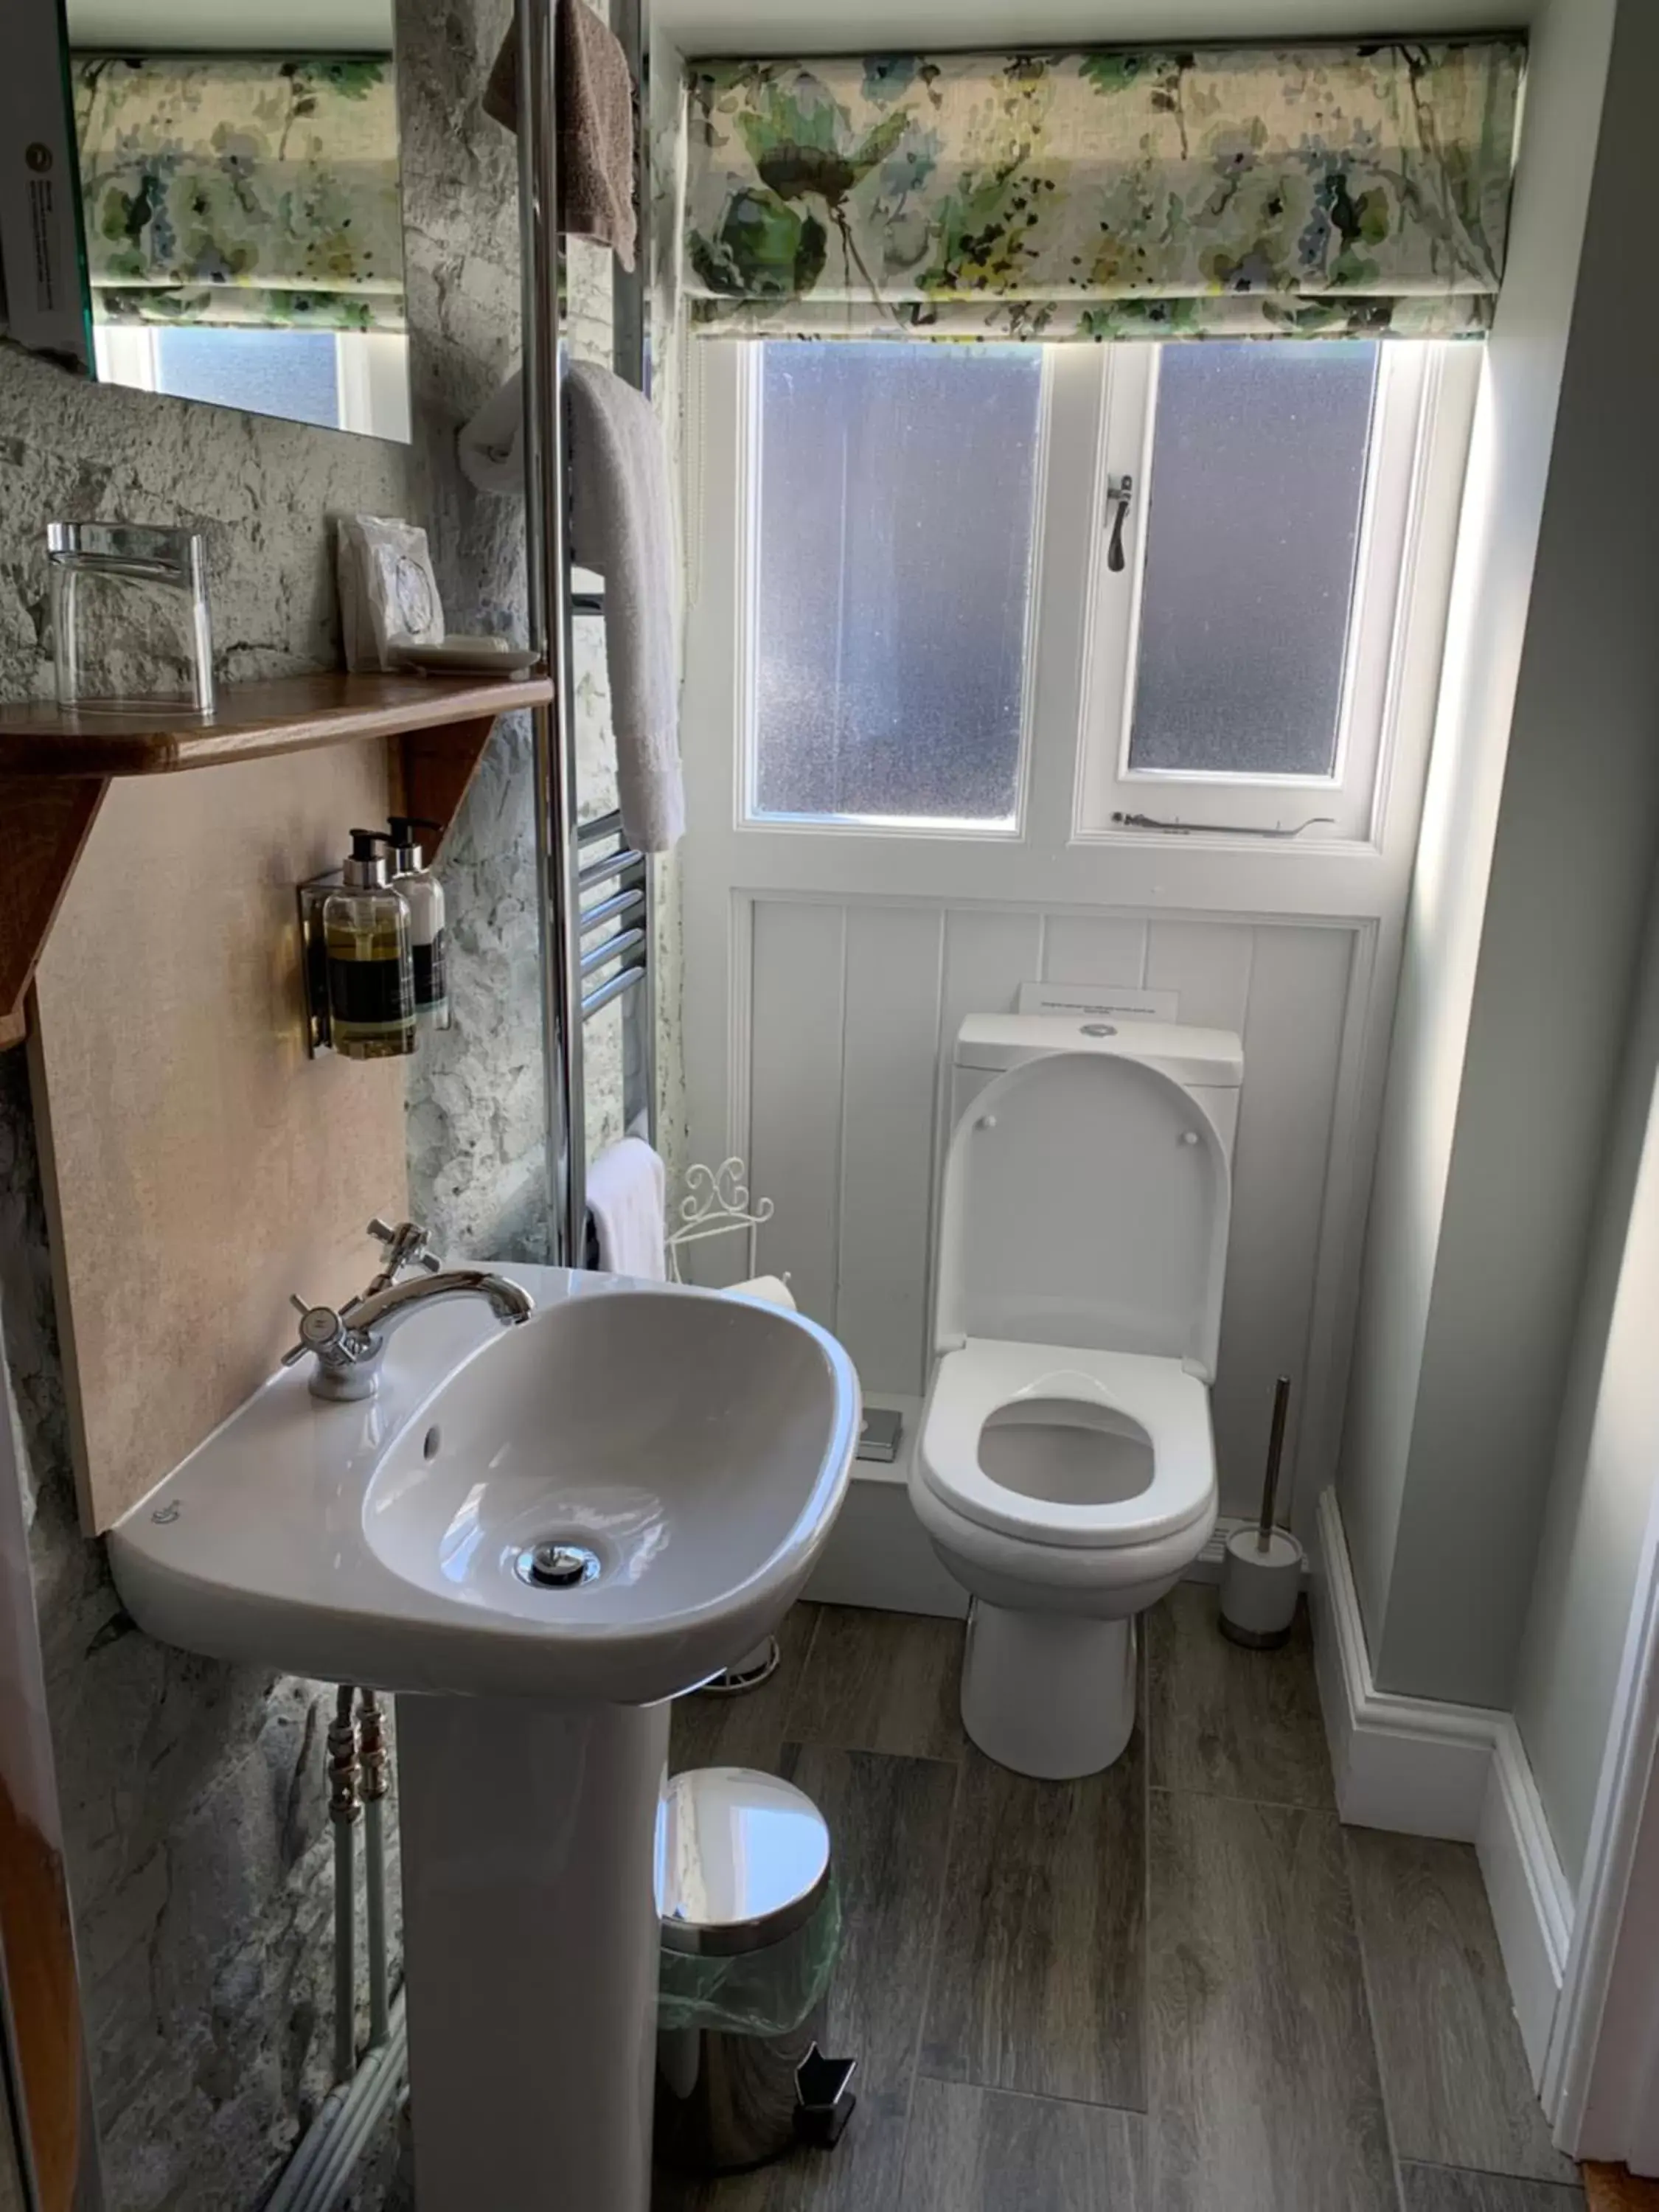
[1616, 2188]
[1454, 2189]
[890, 1820]
[1263, 2084]
[985, 2150]
[1040, 1980]
[1231, 1721]
[746, 1730]
[881, 1682]
[1453, 2071]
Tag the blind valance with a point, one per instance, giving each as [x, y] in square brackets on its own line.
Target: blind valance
[1326, 189]
[247, 189]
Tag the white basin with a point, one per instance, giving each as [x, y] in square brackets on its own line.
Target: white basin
[697, 1446]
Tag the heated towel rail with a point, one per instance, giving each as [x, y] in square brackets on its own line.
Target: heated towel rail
[596, 893]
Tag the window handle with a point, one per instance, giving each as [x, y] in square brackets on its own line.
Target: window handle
[1120, 490]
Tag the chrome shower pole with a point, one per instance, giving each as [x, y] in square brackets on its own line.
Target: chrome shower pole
[548, 565]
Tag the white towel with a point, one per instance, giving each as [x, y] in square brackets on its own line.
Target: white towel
[621, 523]
[628, 1198]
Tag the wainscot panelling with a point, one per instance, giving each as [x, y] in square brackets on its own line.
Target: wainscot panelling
[843, 1073]
[1292, 1030]
[890, 1045]
[795, 1092]
[1092, 948]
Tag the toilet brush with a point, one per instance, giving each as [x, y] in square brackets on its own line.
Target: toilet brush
[1261, 1568]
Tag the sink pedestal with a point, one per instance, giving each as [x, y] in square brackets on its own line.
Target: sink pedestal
[531, 1950]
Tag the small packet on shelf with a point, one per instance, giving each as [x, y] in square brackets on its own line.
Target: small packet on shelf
[388, 593]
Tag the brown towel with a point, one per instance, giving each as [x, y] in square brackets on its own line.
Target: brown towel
[595, 94]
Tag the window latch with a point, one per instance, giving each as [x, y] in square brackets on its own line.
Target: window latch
[1120, 490]
[1180, 828]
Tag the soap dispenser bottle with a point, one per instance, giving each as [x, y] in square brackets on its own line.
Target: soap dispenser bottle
[425, 897]
[371, 974]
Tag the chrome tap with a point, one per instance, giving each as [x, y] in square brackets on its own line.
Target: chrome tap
[349, 1343]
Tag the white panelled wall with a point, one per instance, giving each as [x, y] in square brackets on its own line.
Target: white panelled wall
[841, 1070]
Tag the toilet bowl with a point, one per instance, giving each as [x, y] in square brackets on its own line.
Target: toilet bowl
[1066, 1468]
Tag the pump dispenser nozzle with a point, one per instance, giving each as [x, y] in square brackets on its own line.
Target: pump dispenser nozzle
[365, 865]
[405, 845]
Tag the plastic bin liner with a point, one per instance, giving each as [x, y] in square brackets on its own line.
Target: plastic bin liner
[768, 1991]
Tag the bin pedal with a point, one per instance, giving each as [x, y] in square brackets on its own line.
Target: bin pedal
[823, 2097]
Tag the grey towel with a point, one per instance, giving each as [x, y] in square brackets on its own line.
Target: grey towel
[595, 94]
[622, 523]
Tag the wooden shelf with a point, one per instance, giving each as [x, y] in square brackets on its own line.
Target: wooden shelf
[55, 767]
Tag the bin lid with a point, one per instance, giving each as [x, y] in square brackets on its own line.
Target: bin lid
[742, 1860]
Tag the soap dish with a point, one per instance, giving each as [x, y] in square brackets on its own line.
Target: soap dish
[466, 656]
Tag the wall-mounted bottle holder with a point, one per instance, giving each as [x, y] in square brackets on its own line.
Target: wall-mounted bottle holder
[372, 947]
[313, 959]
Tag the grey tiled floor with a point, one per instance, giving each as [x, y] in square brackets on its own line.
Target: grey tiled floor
[1181, 1986]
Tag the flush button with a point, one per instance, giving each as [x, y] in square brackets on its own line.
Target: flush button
[1099, 1028]
[1189, 1136]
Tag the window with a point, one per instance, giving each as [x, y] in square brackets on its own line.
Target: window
[894, 510]
[288, 373]
[1254, 499]
[338, 380]
[1239, 657]
[908, 656]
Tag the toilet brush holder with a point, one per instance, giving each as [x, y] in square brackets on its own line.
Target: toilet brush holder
[1262, 1567]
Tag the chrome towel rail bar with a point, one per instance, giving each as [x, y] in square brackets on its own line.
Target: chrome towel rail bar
[630, 864]
[629, 900]
[605, 993]
[625, 940]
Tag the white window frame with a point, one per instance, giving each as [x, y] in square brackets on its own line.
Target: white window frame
[1408, 406]
[1096, 423]
[735, 371]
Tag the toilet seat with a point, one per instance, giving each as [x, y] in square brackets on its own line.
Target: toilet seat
[1168, 1402]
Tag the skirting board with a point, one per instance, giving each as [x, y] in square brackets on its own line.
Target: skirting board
[1461, 1771]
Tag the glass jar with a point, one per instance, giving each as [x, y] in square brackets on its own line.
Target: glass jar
[130, 621]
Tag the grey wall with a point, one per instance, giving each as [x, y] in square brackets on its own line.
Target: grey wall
[1527, 912]
[1606, 1461]
[193, 1794]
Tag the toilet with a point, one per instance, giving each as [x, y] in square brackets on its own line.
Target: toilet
[1065, 1471]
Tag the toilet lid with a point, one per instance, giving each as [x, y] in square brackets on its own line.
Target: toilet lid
[1158, 1397]
[1085, 1203]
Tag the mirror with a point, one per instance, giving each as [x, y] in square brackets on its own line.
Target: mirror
[203, 198]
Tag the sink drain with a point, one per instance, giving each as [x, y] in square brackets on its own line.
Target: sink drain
[556, 1566]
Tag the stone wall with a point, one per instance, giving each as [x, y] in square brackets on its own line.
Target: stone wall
[192, 1795]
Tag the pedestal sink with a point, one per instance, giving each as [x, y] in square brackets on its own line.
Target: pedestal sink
[535, 1537]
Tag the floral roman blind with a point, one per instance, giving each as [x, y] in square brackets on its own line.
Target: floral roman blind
[247, 189]
[1324, 191]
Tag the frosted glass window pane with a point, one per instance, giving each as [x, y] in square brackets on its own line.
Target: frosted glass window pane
[290, 373]
[1257, 476]
[893, 569]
